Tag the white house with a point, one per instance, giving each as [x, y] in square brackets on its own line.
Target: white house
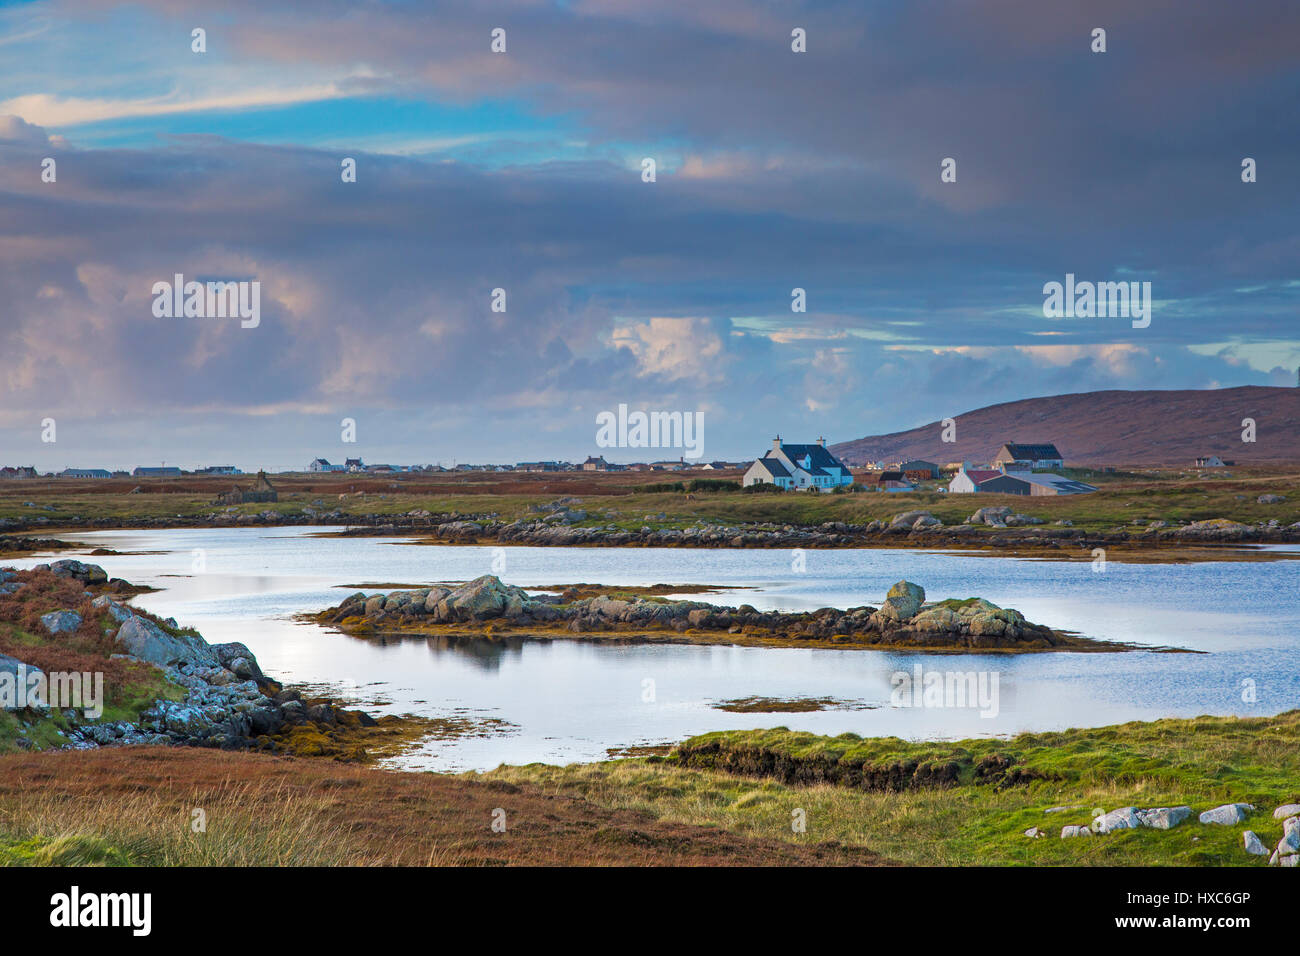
[799, 467]
[968, 479]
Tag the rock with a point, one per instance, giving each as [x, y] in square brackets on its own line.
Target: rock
[1220, 529]
[903, 601]
[61, 622]
[939, 620]
[484, 597]
[1271, 499]
[914, 519]
[1164, 818]
[1254, 844]
[374, 606]
[994, 515]
[1017, 520]
[1286, 810]
[1061, 809]
[119, 612]
[1290, 842]
[1229, 814]
[1126, 818]
[1034, 833]
[85, 573]
[239, 660]
[146, 641]
[1073, 831]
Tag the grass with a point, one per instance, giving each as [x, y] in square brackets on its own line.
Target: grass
[1201, 763]
[138, 806]
[620, 499]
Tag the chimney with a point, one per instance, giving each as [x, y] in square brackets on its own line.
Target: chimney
[776, 443]
[822, 442]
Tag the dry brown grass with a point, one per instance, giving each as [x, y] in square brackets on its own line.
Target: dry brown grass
[264, 810]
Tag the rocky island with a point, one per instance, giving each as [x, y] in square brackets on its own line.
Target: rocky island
[488, 607]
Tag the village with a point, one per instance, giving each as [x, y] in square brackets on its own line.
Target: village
[1034, 469]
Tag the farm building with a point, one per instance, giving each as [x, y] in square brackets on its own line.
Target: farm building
[1032, 483]
[262, 490]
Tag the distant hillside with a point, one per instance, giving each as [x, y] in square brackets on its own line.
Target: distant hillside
[1142, 427]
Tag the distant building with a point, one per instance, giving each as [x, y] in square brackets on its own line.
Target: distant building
[968, 479]
[798, 467]
[85, 473]
[219, 470]
[894, 481]
[1017, 457]
[1034, 483]
[722, 465]
[262, 490]
[354, 465]
[320, 464]
[168, 472]
[534, 466]
[1213, 461]
[22, 471]
[595, 464]
[917, 469]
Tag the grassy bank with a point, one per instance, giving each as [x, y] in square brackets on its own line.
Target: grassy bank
[630, 501]
[968, 803]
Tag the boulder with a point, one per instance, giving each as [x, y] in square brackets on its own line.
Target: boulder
[146, 641]
[903, 602]
[914, 519]
[1271, 499]
[1164, 818]
[994, 515]
[239, 660]
[1290, 842]
[1286, 810]
[938, 620]
[1075, 831]
[1125, 818]
[1254, 844]
[85, 573]
[1230, 814]
[61, 622]
[1034, 833]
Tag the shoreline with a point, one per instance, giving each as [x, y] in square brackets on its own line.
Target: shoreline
[1164, 546]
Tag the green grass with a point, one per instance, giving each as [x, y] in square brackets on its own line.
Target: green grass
[1201, 763]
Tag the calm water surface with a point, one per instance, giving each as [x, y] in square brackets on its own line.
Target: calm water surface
[567, 701]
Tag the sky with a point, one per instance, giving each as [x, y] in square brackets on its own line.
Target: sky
[523, 170]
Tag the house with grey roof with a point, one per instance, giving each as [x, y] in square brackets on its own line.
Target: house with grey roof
[799, 467]
[1015, 456]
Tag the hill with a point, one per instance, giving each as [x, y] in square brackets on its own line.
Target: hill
[1110, 427]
